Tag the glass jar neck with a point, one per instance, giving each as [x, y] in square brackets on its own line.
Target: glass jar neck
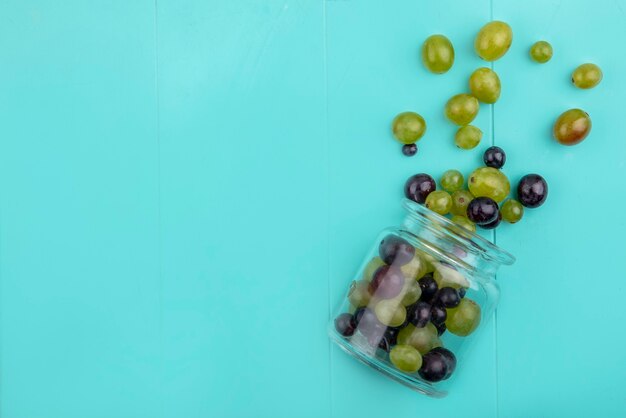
[453, 243]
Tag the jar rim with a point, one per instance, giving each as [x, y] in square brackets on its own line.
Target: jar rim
[486, 248]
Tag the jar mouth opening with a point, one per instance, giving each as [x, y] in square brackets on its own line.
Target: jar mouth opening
[487, 249]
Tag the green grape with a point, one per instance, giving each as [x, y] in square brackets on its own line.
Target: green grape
[541, 52]
[587, 76]
[572, 127]
[410, 293]
[359, 294]
[512, 211]
[452, 180]
[464, 222]
[489, 182]
[423, 339]
[371, 268]
[430, 261]
[389, 312]
[467, 137]
[484, 84]
[493, 40]
[460, 200]
[439, 201]
[406, 358]
[414, 269]
[463, 319]
[437, 54]
[408, 127]
[448, 277]
[462, 109]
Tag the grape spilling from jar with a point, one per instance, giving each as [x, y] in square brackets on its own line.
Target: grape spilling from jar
[486, 201]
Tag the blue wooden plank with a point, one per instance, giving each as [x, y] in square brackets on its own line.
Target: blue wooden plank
[244, 206]
[78, 208]
[559, 338]
[374, 72]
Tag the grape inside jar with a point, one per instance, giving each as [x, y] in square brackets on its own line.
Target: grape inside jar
[421, 295]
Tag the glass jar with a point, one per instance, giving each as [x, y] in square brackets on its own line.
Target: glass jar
[419, 299]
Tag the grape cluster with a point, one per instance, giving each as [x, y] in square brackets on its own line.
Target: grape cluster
[403, 304]
[491, 43]
[488, 187]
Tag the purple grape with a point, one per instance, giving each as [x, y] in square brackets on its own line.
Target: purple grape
[494, 224]
[345, 325]
[482, 210]
[387, 282]
[395, 250]
[448, 297]
[449, 357]
[438, 314]
[434, 367]
[494, 157]
[532, 190]
[419, 186]
[409, 150]
[429, 287]
[418, 314]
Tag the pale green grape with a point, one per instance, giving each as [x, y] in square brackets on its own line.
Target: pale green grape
[512, 211]
[587, 76]
[405, 358]
[467, 137]
[437, 54]
[464, 222]
[484, 84]
[416, 268]
[541, 52]
[463, 319]
[460, 200]
[489, 182]
[371, 268]
[389, 312]
[448, 277]
[462, 109]
[493, 40]
[359, 294]
[423, 339]
[430, 261]
[408, 127]
[452, 180]
[439, 201]
[410, 293]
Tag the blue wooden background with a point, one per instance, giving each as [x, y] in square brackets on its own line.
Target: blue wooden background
[187, 186]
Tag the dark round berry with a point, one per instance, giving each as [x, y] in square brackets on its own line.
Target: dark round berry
[434, 367]
[418, 314]
[448, 297]
[441, 328]
[494, 224]
[366, 322]
[388, 339]
[387, 282]
[449, 357]
[419, 186]
[438, 314]
[494, 157]
[532, 190]
[395, 250]
[482, 210]
[429, 287]
[409, 150]
[462, 292]
[344, 324]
